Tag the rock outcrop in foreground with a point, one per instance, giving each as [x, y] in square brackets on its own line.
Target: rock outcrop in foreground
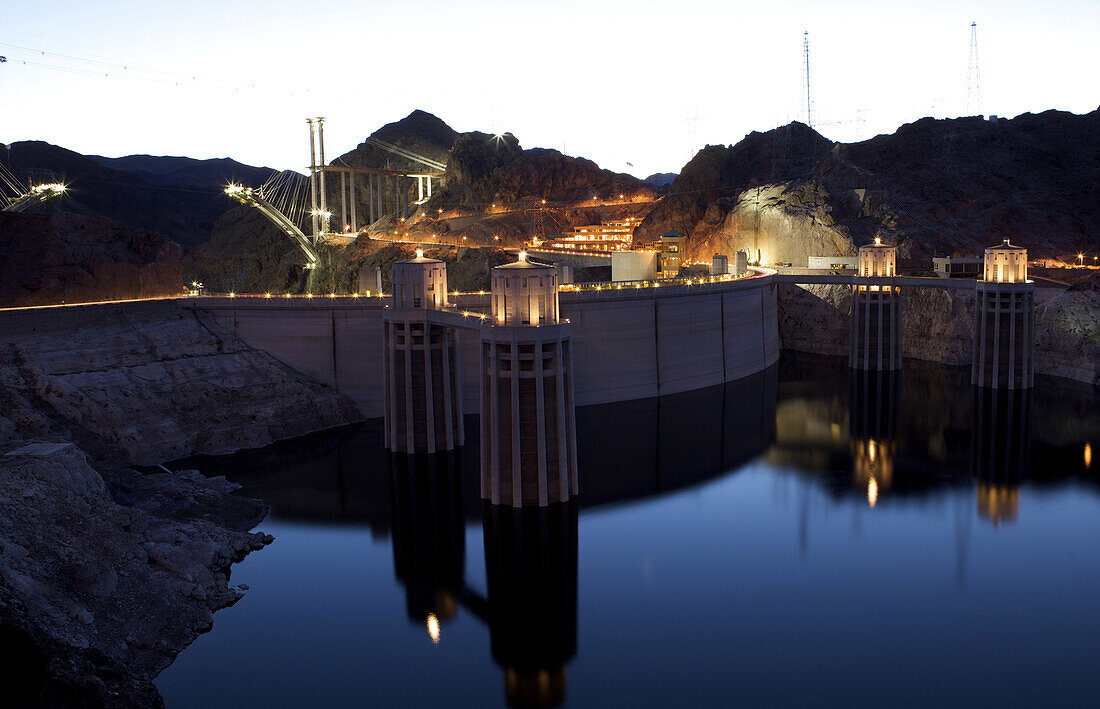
[107, 573]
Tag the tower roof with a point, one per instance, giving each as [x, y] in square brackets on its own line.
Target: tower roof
[523, 263]
[1005, 245]
[420, 258]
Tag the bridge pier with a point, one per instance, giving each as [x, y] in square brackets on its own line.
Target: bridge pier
[420, 363]
[380, 184]
[354, 220]
[1004, 321]
[528, 424]
[325, 228]
[343, 200]
[876, 311]
[313, 212]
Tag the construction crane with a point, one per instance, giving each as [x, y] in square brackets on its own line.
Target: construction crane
[255, 198]
[407, 154]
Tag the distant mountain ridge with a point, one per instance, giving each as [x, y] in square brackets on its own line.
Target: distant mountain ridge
[186, 172]
[660, 179]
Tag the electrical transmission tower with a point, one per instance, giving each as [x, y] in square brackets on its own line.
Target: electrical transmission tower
[973, 75]
[539, 230]
[806, 77]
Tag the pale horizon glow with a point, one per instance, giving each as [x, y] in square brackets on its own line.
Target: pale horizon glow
[638, 87]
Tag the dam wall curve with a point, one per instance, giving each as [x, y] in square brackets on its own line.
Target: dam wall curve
[629, 342]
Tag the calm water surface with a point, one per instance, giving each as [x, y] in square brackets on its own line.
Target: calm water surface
[805, 537]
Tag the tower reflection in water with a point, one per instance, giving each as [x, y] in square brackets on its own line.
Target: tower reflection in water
[429, 543]
[1000, 447]
[531, 565]
[873, 429]
[531, 568]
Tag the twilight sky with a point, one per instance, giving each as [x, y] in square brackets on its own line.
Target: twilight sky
[640, 82]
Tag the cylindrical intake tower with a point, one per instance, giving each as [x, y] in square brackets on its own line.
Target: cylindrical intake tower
[1004, 321]
[876, 310]
[422, 393]
[528, 426]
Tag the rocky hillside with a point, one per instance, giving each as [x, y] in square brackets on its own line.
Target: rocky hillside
[178, 197]
[246, 253]
[59, 258]
[419, 132]
[193, 187]
[932, 187]
[106, 573]
[712, 181]
[484, 169]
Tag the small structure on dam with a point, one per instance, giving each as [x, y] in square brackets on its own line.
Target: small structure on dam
[528, 425]
[876, 313]
[1004, 321]
[420, 370]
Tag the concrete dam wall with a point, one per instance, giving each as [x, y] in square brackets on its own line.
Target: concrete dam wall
[629, 343]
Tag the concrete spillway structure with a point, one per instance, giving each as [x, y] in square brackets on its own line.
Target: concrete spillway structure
[528, 424]
[423, 411]
[876, 310]
[1004, 321]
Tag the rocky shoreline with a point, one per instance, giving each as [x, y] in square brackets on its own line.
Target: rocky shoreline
[108, 572]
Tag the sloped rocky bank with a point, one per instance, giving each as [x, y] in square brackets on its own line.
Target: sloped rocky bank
[106, 573]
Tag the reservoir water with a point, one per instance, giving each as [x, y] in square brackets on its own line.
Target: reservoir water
[808, 536]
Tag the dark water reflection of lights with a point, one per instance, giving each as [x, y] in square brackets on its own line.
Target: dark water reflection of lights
[808, 536]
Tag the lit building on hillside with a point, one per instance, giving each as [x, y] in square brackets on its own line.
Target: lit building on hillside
[612, 235]
[671, 257]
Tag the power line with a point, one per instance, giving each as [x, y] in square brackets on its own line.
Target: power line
[113, 69]
[85, 60]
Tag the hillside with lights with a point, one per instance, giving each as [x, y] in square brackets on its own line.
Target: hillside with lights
[933, 187]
